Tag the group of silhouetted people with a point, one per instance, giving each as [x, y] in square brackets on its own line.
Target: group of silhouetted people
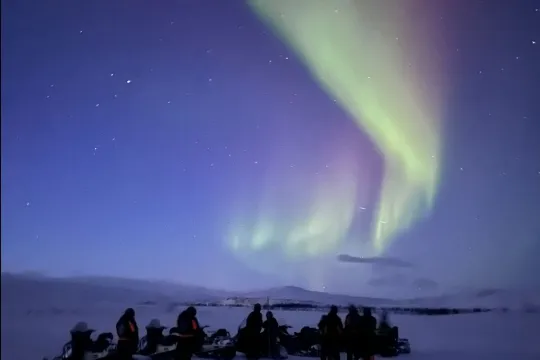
[359, 334]
[259, 335]
[187, 336]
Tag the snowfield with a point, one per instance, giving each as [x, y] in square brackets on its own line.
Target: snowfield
[36, 318]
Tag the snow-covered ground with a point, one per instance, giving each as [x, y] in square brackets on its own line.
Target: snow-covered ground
[36, 318]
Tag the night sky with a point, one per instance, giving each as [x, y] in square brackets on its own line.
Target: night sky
[139, 136]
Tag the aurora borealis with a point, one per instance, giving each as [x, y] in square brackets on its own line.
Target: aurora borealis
[352, 146]
[354, 53]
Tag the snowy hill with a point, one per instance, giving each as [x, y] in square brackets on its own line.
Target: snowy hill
[38, 293]
[22, 293]
[179, 291]
[486, 298]
[290, 294]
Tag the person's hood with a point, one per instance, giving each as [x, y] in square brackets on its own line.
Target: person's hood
[129, 314]
[191, 311]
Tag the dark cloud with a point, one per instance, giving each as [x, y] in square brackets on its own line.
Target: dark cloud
[383, 261]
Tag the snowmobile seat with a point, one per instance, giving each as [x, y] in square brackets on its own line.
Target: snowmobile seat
[160, 348]
[169, 340]
[284, 329]
[219, 334]
[102, 343]
[308, 337]
[307, 331]
[105, 336]
[388, 337]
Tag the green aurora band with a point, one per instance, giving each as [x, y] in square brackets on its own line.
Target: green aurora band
[355, 52]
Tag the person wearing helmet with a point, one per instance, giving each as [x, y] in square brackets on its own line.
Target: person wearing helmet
[154, 336]
[253, 330]
[189, 334]
[128, 335]
[352, 333]
[81, 342]
[332, 330]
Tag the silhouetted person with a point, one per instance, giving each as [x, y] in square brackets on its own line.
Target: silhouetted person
[81, 342]
[128, 335]
[367, 339]
[154, 336]
[387, 334]
[271, 330]
[352, 333]
[321, 326]
[189, 331]
[252, 333]
[332, 330]
[384, 323]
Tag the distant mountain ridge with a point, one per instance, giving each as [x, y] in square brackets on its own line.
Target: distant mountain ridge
[150, 289]
[112, 289]
[161, 286]
[309, 296]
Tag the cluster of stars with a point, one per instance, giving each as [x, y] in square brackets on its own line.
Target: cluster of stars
[210, 51]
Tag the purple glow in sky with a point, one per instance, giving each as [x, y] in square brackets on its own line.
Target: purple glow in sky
[132, 134]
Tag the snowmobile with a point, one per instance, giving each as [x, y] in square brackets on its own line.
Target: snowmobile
[390, 344]
[402, 346]
[102, 348]
[242, 343]
[304, 343]
[164, 349]
[217, 346]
